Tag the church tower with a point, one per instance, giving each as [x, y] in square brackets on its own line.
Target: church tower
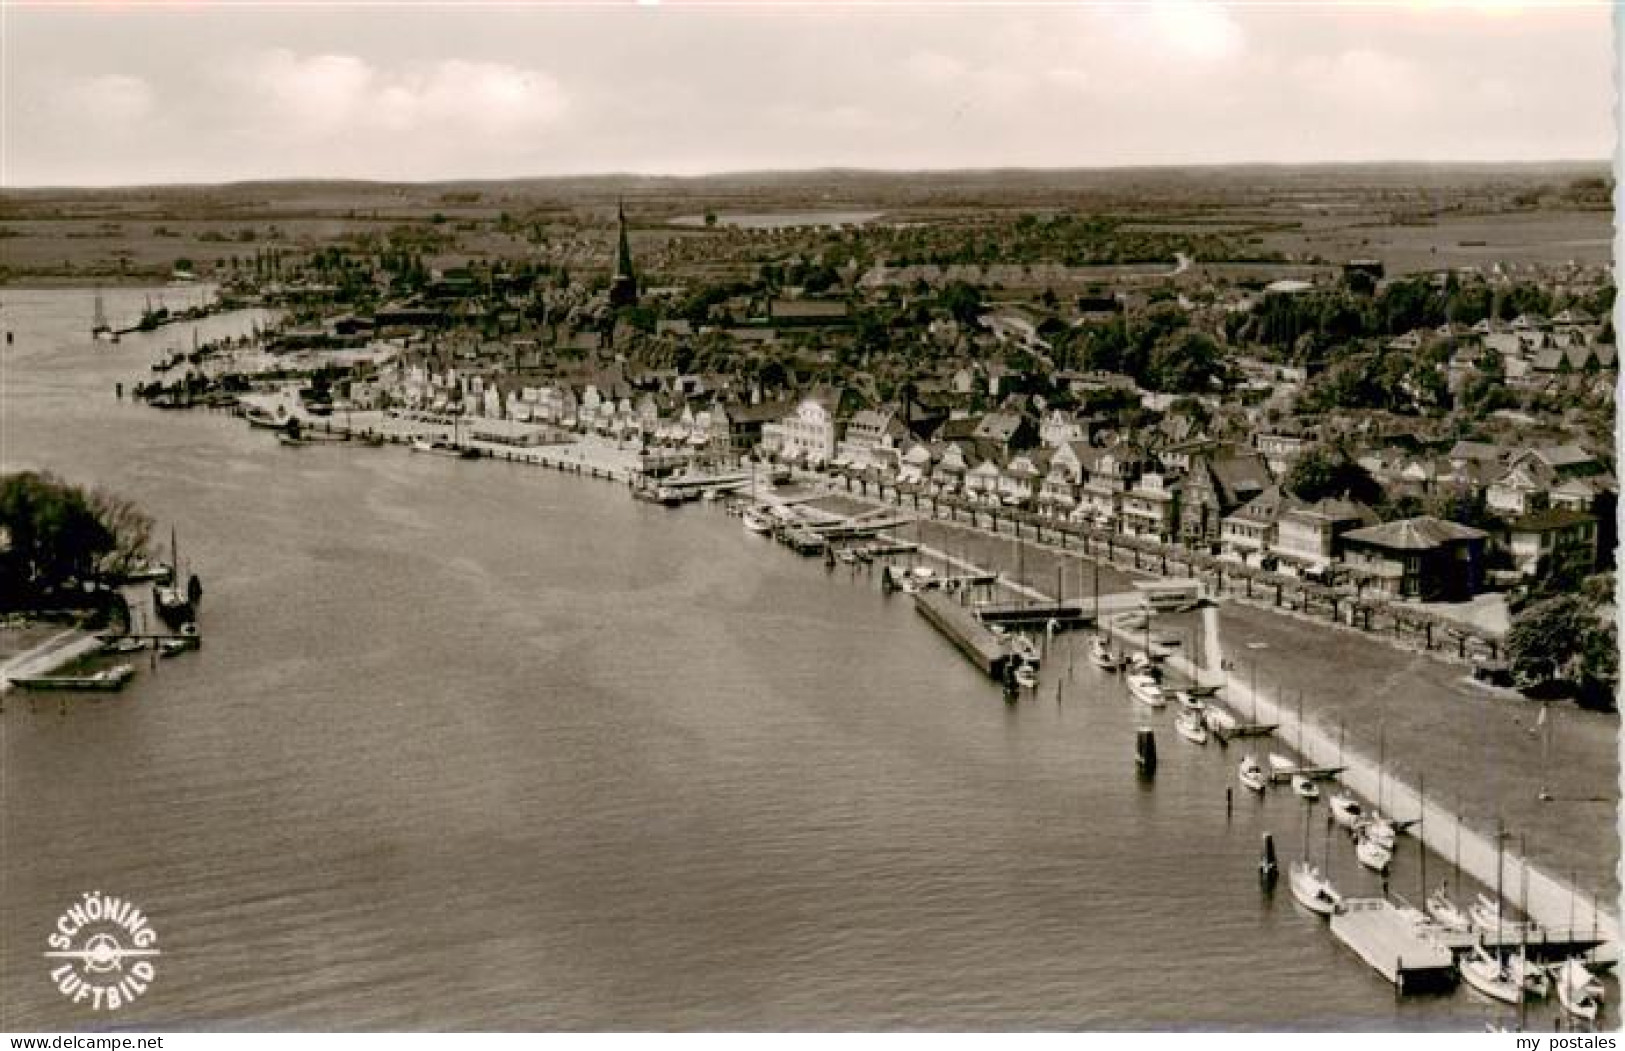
[623, 287]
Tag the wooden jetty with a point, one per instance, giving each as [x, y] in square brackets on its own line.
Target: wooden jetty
[1226, 735]
[895, 547]
[1540, 944]
[802, 540]
[962, 628]
[1313, 773]
[861, 528]
[1065, 614]
[1391, 944]
[106, 680]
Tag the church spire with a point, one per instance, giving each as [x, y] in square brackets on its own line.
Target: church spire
[623, 287]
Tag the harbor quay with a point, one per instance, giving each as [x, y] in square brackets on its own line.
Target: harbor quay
[1397, 721]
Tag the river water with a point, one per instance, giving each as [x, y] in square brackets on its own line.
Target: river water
[484, 746]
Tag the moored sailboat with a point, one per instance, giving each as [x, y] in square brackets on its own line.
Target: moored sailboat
[1252, 775]
[1191, 727]
[1489, 976]
[1146, 689]
[1372, 855]
[1313, 890]
[1578, 990]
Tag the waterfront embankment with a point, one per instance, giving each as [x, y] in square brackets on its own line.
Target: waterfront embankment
[48, 656]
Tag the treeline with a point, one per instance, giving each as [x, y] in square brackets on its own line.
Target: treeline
[57, 539]
[1305, 326]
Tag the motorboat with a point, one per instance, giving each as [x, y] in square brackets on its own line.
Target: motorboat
[1489, 976]
[1190, 702]
[1372, 855]
[1252, 775]
[1190, 726]
[1313, 890]
[1446, 913]
[1219, 719]
[1026, 676]
[1346, 810]
[1305, 787]
[1146, 689]
[1281, 766]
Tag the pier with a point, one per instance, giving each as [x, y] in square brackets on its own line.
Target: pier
[1389, 942]
[1019, 614]
[961, 626]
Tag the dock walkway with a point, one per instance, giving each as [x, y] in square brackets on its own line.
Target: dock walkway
[1377, 932]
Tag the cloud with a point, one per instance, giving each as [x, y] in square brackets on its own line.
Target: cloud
[339, 96]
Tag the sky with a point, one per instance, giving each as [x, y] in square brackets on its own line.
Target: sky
[109, 92]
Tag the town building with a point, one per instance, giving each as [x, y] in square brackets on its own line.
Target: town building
[1424, 558]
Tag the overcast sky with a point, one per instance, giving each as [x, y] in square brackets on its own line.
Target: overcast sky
[114, 92]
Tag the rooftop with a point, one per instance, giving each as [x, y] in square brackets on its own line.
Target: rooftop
[1414, 534]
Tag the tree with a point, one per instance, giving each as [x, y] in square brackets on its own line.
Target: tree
[962, 300]
[1548, 637]
[1322, 471]
[1186, 363]
[55, 537]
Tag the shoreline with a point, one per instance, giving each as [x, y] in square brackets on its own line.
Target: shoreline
[56, 652]
[1549, 899]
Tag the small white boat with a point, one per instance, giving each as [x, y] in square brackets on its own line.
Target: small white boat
[1536, 982]
[1380, 831]
[1346, 810]
[1146, 690]
[1446, 913]
[1219, 718]
[1026, 676]
[1487, 974]
[1252, 775]
[1578, 990]
[1190, 702]
[1373, 855]
[1144, 663]
[1305, 788]
[1281, 766]
[757, 520]
[1191, 727]
[1314, 891]
[1100, 652]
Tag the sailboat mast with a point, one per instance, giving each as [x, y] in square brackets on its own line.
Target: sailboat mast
[1421, 830]
[1500, 839]
[1455, 876]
